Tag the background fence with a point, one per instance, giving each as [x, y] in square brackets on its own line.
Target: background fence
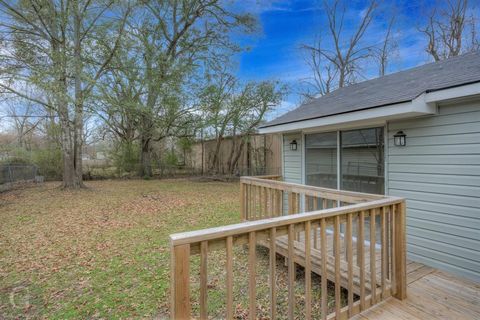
[11, 174]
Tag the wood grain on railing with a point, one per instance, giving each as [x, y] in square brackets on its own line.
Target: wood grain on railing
[321, 241]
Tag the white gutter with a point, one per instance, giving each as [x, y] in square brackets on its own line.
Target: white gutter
[425, 104]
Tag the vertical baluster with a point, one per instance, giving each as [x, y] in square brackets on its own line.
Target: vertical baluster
[291, 272]
[264, 203]
[373, 258]
[251, 209]
[350, 263]
[273, 261]
[252, 273]
[297, 210]
[203, 279]
[282, 204]
[384, 251]
[247, 202]
[323, 245]
[252, 202]
[297, 202]
[359, 244]
[273, 202]
[260, 202]
[315, 233]
[388, 242]
[242, 201]
[229, 280]
[361, 258]
[290, 203]
[269, 203]
[337, 266]
[277, 198]
[308, 271]
[324, 203]
[255, 194]
[394, 252]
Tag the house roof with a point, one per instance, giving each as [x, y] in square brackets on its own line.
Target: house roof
[403, 86]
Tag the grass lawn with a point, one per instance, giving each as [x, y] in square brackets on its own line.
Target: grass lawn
[104, 252]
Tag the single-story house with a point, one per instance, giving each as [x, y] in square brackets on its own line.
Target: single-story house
[413, 134]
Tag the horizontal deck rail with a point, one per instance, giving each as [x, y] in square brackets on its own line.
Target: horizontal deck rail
[267, 196]
[336, 237]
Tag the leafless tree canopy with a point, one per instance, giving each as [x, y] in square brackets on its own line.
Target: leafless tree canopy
[336, 56]
[451, 31]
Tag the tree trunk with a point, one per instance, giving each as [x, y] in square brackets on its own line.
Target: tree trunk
[237, 156]
[215, 165]
[231, 167]
[78, 115]
[72, 177]
[145, 157]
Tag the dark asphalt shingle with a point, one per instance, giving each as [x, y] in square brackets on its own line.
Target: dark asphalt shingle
[394, 88]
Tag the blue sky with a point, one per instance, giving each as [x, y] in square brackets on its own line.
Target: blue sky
[275, 52]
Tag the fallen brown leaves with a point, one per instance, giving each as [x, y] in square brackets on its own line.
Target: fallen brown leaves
[102, 251]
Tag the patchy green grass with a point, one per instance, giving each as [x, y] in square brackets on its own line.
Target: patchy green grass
[104, 252]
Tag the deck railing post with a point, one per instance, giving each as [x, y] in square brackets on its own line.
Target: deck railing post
[243, 198]
[180, 307]
[400, 252]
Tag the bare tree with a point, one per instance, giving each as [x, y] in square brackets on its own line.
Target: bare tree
[338, 64]
[324, 73]
[385, 50]
[450, 32]
[24, 121]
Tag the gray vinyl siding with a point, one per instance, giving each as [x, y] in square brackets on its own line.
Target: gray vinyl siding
[438, 172]
[292, 161]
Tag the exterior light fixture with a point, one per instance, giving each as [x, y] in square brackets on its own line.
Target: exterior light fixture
[400, 139]
[293, 145]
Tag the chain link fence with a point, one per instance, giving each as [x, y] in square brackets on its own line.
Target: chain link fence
[11, 174]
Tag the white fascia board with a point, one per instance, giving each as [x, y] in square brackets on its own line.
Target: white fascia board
[453, 93]
[367, 117]
[424, 104]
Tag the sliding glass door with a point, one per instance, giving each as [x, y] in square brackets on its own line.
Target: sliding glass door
[361, 159]
[321, 159]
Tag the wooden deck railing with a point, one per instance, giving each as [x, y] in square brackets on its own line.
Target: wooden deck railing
[336, 238]
[266, 196]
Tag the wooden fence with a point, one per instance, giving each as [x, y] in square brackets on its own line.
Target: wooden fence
[366, 259]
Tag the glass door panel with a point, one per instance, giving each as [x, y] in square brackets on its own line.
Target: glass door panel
[321, 159]
[362, 160]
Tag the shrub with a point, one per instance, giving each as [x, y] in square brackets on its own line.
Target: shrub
[126, 157]
[49, 163]
[170, 159]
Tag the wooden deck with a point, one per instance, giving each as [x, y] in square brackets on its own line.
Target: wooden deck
[299, 255]
[431, 294]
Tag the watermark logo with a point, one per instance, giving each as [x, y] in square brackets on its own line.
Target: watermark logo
[20, 298]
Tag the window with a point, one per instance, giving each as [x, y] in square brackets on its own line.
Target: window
[361, 158]
[321, 159]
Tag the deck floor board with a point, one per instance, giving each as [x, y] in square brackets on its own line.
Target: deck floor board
[433, 295]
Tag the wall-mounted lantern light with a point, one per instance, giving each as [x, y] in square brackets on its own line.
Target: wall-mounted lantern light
[400, 139]
[293, 145]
